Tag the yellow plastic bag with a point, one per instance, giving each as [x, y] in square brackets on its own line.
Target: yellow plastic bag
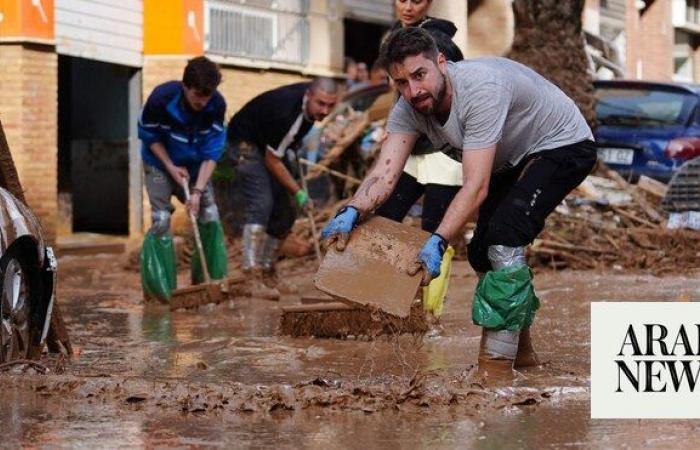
[434, 293]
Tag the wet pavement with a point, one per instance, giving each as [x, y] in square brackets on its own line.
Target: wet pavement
[223, 377]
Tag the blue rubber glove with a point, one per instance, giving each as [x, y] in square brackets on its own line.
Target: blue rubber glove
[430, 258]
[338, 229]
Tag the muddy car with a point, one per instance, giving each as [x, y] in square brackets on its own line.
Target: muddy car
[27, 281]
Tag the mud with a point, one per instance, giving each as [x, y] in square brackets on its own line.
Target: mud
[224, 376]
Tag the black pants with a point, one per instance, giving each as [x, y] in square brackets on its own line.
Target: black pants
[408, 191]
[267, 202]
[520, 199]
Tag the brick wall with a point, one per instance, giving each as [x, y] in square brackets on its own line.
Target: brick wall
[237, 86]
[650, 38]
[28, 110]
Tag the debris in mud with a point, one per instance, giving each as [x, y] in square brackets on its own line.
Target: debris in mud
[340, 321]
[608, 223]
[24, 366]
[419, 392]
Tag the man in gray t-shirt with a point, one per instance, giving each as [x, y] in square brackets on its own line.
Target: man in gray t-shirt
[497, 101]
[523, 145]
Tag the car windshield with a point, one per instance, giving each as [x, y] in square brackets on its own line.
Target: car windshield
[643, 107]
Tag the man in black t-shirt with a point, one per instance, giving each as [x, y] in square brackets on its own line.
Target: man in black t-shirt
[264, 137]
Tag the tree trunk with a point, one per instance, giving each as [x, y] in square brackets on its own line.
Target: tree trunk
[549, 39]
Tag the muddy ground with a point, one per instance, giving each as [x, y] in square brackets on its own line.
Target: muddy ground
[223, 376]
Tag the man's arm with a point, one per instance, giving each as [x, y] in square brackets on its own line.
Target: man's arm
[179, 174]
[476, 170]
[280, 172]
[380, 182]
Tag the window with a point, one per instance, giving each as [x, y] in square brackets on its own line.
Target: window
[632, 106]
[258, 29]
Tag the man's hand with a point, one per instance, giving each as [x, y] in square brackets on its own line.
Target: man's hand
[179, 174]
[193, 202]
[302, 200]
[338, 229]
[430, 258]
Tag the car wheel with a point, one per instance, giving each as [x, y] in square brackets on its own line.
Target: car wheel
[16, 332]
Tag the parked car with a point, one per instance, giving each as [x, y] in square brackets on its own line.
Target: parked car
[27, 272]
[647, 128]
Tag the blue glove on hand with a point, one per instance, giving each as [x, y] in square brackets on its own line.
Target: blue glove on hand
[430, 258]
[338, 229]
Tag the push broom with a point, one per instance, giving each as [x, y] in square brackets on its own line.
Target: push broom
[198, 294]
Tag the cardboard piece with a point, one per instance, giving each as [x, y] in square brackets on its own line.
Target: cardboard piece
[372, 269]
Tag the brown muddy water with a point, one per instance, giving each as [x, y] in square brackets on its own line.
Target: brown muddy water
[223, 377]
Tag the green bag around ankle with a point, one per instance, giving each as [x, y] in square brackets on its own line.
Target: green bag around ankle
[212, 234]
[158, 275]
[505, 299]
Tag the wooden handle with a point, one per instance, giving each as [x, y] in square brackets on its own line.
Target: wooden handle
[310, 213]
[197, 238]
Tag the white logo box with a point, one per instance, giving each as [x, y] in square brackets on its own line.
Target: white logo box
[610, 322]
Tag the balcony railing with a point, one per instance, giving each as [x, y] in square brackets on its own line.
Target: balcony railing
[268, 30]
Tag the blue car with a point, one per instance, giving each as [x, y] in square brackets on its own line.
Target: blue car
[647, 128]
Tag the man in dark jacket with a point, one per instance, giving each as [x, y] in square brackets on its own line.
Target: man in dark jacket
[182, 131]
[264, 137]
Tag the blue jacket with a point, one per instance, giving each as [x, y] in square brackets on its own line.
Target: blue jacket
[190, 138]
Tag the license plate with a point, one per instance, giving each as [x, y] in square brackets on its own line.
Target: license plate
[623, 156]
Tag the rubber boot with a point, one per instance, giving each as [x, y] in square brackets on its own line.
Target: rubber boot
[526, 356]
[259, 289]
[254, 240]
[267, 262]
[497, 352]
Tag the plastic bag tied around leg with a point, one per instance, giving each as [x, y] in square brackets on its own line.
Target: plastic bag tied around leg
[505, 299]
[214, 245]
[158, 275]
[434, 293]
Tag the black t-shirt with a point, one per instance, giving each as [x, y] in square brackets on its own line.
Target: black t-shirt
[273, 119]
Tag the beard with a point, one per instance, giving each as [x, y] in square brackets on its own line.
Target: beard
[436, 99]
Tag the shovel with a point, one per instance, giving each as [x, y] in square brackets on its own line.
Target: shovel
[199, 294]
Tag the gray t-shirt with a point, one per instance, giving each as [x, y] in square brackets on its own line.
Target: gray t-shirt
[498, 101]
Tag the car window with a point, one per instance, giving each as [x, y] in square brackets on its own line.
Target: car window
[643, 107]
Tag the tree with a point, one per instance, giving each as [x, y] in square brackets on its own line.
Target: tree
[549, 39]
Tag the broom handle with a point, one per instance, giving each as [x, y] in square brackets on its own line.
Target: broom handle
[310, 212]
[197, 238]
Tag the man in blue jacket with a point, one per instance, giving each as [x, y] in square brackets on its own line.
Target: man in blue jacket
[182, 131]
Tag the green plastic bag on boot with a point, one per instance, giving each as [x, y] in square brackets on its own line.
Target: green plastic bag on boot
[214, 245]
[505, 299]
[158, 275]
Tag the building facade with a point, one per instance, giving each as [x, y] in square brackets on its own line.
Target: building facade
[74, 74]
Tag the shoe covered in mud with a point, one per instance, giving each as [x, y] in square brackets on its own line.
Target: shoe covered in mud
[272, 280]
[256, 287]
[259, 290]
[497, 352]
[526, 356]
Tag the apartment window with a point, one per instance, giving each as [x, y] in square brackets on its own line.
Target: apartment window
[683, 53]
[268, 30]
[692, 11]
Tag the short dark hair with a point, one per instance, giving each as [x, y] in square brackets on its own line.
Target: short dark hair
[325, 84]
[347, 62]
[405, 42]
[202, 74]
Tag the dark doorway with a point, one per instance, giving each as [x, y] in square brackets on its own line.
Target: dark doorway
[362, 40]
[93, 136]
